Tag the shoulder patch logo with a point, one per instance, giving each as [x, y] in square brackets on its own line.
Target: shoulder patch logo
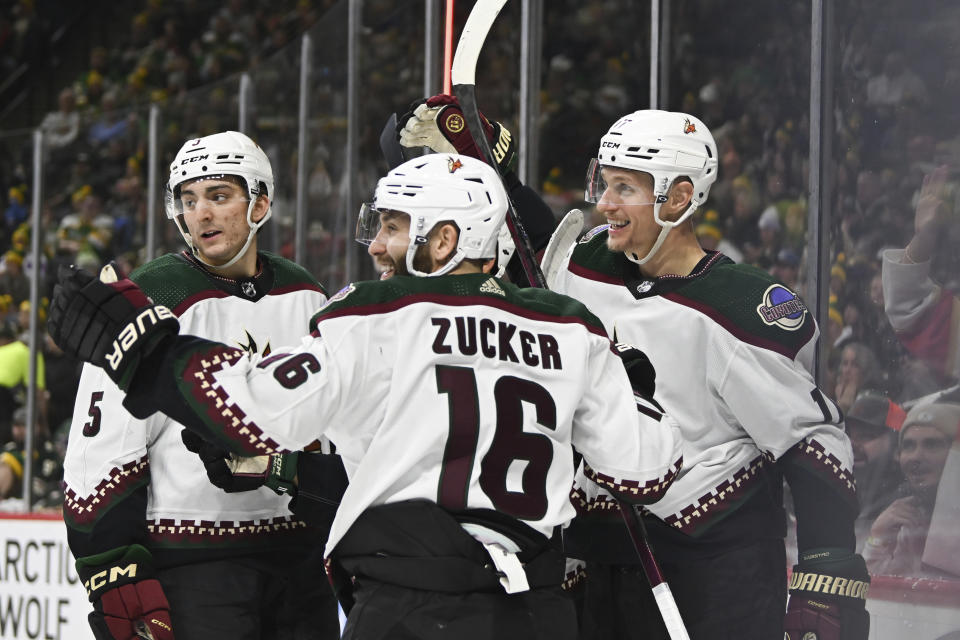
[782, 307]
[491, 286]
[588, 236]
[343, 293]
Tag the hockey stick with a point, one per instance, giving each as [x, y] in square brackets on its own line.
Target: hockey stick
[463, 74]
[391, 149]
[672, 619]
[564, 236]
[464, 70]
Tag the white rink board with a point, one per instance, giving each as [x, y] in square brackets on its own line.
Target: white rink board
[40, 594]
[912, 609]
[42, 598]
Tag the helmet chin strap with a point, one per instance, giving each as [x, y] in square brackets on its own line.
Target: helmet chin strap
[665, 228]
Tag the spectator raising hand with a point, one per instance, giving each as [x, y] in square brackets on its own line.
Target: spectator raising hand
[930, 217]
[921, 310]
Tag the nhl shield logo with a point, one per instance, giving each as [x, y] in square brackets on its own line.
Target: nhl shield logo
[248, 289]
[644, 286]
[782, 307]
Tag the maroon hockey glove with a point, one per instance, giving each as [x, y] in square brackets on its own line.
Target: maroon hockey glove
[128, 601]
[112, 325]
[828, 591]
[438, 123]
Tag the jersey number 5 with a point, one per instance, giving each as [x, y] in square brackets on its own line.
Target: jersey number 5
[510, 443]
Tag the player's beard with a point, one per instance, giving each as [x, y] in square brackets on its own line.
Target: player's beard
[422, 262]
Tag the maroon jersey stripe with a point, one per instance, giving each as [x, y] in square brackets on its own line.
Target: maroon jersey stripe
[737, 331]
[460, 301]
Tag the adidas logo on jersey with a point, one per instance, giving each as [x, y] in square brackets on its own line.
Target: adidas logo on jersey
[491, 286]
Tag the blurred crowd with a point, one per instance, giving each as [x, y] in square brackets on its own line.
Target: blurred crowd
[94, 204]
[892, 334]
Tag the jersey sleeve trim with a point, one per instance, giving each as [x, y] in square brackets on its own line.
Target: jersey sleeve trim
[81, 512]
[213, 404]
[812, 455]
[634, 491]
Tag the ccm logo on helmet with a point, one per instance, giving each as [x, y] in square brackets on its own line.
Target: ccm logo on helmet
[194, 159]
[610, 145]
[108, 576]
[134, 330]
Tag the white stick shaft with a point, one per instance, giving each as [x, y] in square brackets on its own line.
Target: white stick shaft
[464, 68]
[670, 613]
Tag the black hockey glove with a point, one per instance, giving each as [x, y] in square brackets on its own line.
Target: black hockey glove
[643, 377]
[112, 325]
[234, 473]
[828, 592]
[438, 123]
[128, 601]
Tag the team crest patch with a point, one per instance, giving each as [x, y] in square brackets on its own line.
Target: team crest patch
[455, 123]
[453, 164]
[588, 236]
[689, 127]
[782, 307]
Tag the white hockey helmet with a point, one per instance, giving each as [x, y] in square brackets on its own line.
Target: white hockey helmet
[229, 153]
[440, 187]
[665, 144]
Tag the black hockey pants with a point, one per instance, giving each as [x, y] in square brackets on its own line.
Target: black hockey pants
[251, 598]
[740, 594]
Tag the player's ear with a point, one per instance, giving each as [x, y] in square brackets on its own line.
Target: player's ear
[678, 199]
[260, 208]
[445, 243]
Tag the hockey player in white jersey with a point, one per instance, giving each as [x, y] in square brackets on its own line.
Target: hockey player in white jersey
[454, 400]
[207, 564]
[733, 349]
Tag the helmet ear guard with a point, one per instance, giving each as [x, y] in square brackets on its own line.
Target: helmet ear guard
[666, 145]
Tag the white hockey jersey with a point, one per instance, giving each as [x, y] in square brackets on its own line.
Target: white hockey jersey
[732, 349]
[462, 389]
[111, 456]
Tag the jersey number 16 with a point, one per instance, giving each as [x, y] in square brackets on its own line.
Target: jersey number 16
[510, 443]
